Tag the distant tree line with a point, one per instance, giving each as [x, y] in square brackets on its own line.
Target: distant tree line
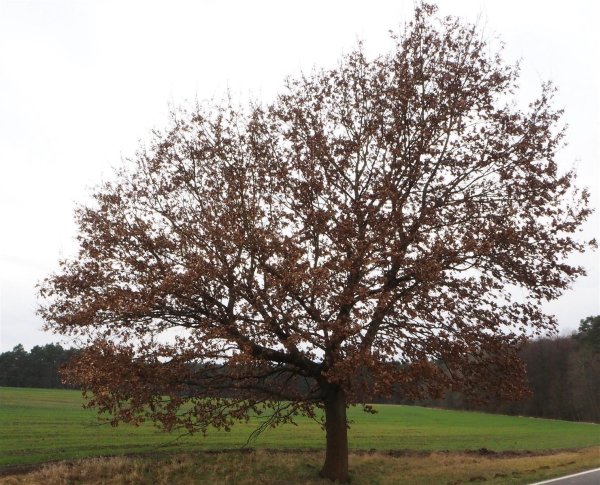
[563, 375]
[37, 368]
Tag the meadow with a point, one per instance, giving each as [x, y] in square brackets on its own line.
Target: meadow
[43, 425]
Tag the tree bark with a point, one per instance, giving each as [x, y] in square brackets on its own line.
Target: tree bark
[336, 455]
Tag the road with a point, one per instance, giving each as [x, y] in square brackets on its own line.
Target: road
[591, 477]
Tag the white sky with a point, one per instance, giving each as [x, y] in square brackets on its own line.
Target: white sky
[81, 82]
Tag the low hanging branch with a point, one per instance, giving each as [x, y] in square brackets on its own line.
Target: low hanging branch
[364, 231]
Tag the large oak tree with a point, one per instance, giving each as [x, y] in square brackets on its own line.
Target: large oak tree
[390, 223]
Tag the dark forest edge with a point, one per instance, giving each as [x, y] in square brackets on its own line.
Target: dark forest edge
[40, 367]
[563, 376]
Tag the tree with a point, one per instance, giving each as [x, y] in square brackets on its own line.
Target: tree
[12, 364]
[589, 333]
[373, 221]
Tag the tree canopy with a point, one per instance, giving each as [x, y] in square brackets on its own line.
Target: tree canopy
[399, 218]
[589, 332]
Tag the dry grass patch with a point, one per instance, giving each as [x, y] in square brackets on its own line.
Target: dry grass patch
[462, 468]
[284, 468]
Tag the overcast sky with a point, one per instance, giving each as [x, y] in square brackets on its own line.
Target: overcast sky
[81, 82]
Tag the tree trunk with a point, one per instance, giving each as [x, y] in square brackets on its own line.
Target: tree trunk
[336, 455]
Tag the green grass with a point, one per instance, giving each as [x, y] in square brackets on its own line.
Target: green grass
[38, 425]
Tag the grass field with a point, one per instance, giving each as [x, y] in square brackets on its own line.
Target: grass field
[279, 468]
[40, 425]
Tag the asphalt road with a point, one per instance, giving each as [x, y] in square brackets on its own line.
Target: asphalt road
[591, 477]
